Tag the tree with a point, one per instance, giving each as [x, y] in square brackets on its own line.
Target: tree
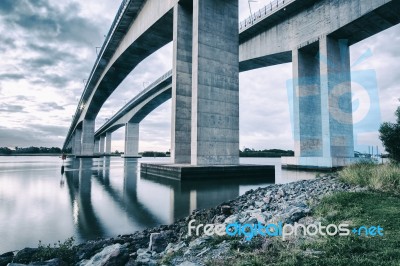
[5, 151]
[390, 137]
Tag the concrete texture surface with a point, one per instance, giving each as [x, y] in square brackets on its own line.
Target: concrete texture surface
[293, 30]
[182, 84]
[215, 83]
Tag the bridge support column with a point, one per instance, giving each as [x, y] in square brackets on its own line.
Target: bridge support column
[108, 143]
[77, 142]
[337, 123]
[87, 137]
[96, 146]
[323, 124]
[182, 84]
[215, 84]
[102, 144]
[131, 140]
[307, 102]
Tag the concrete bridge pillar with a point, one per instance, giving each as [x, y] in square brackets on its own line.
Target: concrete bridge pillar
[73, 144]
[77, 142]
[96, 146]
[108, 143]
[215, 83]
[322, 106]
[131, 140]
[182, 84]
[102, 143]
[307, 102]
[337, 123]
[87, 137]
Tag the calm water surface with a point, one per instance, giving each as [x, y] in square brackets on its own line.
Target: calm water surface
[89, 198]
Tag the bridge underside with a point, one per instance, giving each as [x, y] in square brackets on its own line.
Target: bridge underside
[206, 63]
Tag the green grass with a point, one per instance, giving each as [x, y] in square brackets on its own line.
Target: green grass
[363, 208]
[62, 250]
[384, 177]
[367, 208]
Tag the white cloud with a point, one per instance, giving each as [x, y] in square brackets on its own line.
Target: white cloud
[45, 59]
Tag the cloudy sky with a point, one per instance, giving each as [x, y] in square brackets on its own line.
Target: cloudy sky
[48, 48]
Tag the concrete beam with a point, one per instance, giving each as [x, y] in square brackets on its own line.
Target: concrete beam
[182, 84]
[215, 83]
[300, 23]
[125, 59]
[141, 105]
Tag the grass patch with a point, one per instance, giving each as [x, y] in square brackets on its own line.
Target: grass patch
[168, 259]
[385, 177]
[63, 250]
[364, 208]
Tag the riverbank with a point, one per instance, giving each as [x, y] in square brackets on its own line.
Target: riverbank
[305, 202]
[32, 154]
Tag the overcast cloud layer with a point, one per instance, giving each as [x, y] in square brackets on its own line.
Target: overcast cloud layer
[48, 48]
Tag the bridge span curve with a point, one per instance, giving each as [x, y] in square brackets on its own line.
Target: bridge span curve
[210, 50]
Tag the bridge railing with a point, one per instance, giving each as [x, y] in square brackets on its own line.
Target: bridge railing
[114, 24]
[121, 10]
[148, 88]
[264, 12]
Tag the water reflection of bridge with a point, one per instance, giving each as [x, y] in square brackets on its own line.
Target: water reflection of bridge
[100, 193]
[78, 177]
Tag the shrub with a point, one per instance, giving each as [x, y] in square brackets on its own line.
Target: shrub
[64, 251]
[390, 137]
[385, 177]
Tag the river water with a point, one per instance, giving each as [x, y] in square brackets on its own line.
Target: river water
[43, 198]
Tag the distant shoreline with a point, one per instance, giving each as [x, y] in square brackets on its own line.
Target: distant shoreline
[32, 154]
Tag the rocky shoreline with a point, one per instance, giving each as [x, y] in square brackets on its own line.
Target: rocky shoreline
[171, 244]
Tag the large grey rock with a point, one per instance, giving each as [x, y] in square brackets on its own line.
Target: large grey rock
[188, 263]
[103, 256]
[159, 241]
[25, 255]
[52, 262]
[226, 210]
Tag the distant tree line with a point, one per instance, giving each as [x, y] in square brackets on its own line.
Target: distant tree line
[29, 150]
[274, 153]
[154, 154]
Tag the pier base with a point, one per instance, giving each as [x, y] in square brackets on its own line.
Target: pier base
[131, 157]
[317, 163]
[87, 156]
[192, 172]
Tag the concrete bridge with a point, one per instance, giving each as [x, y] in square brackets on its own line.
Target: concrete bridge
[210, 50]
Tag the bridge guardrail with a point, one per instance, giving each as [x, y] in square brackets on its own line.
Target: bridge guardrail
[114, 24]
[262, 13]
